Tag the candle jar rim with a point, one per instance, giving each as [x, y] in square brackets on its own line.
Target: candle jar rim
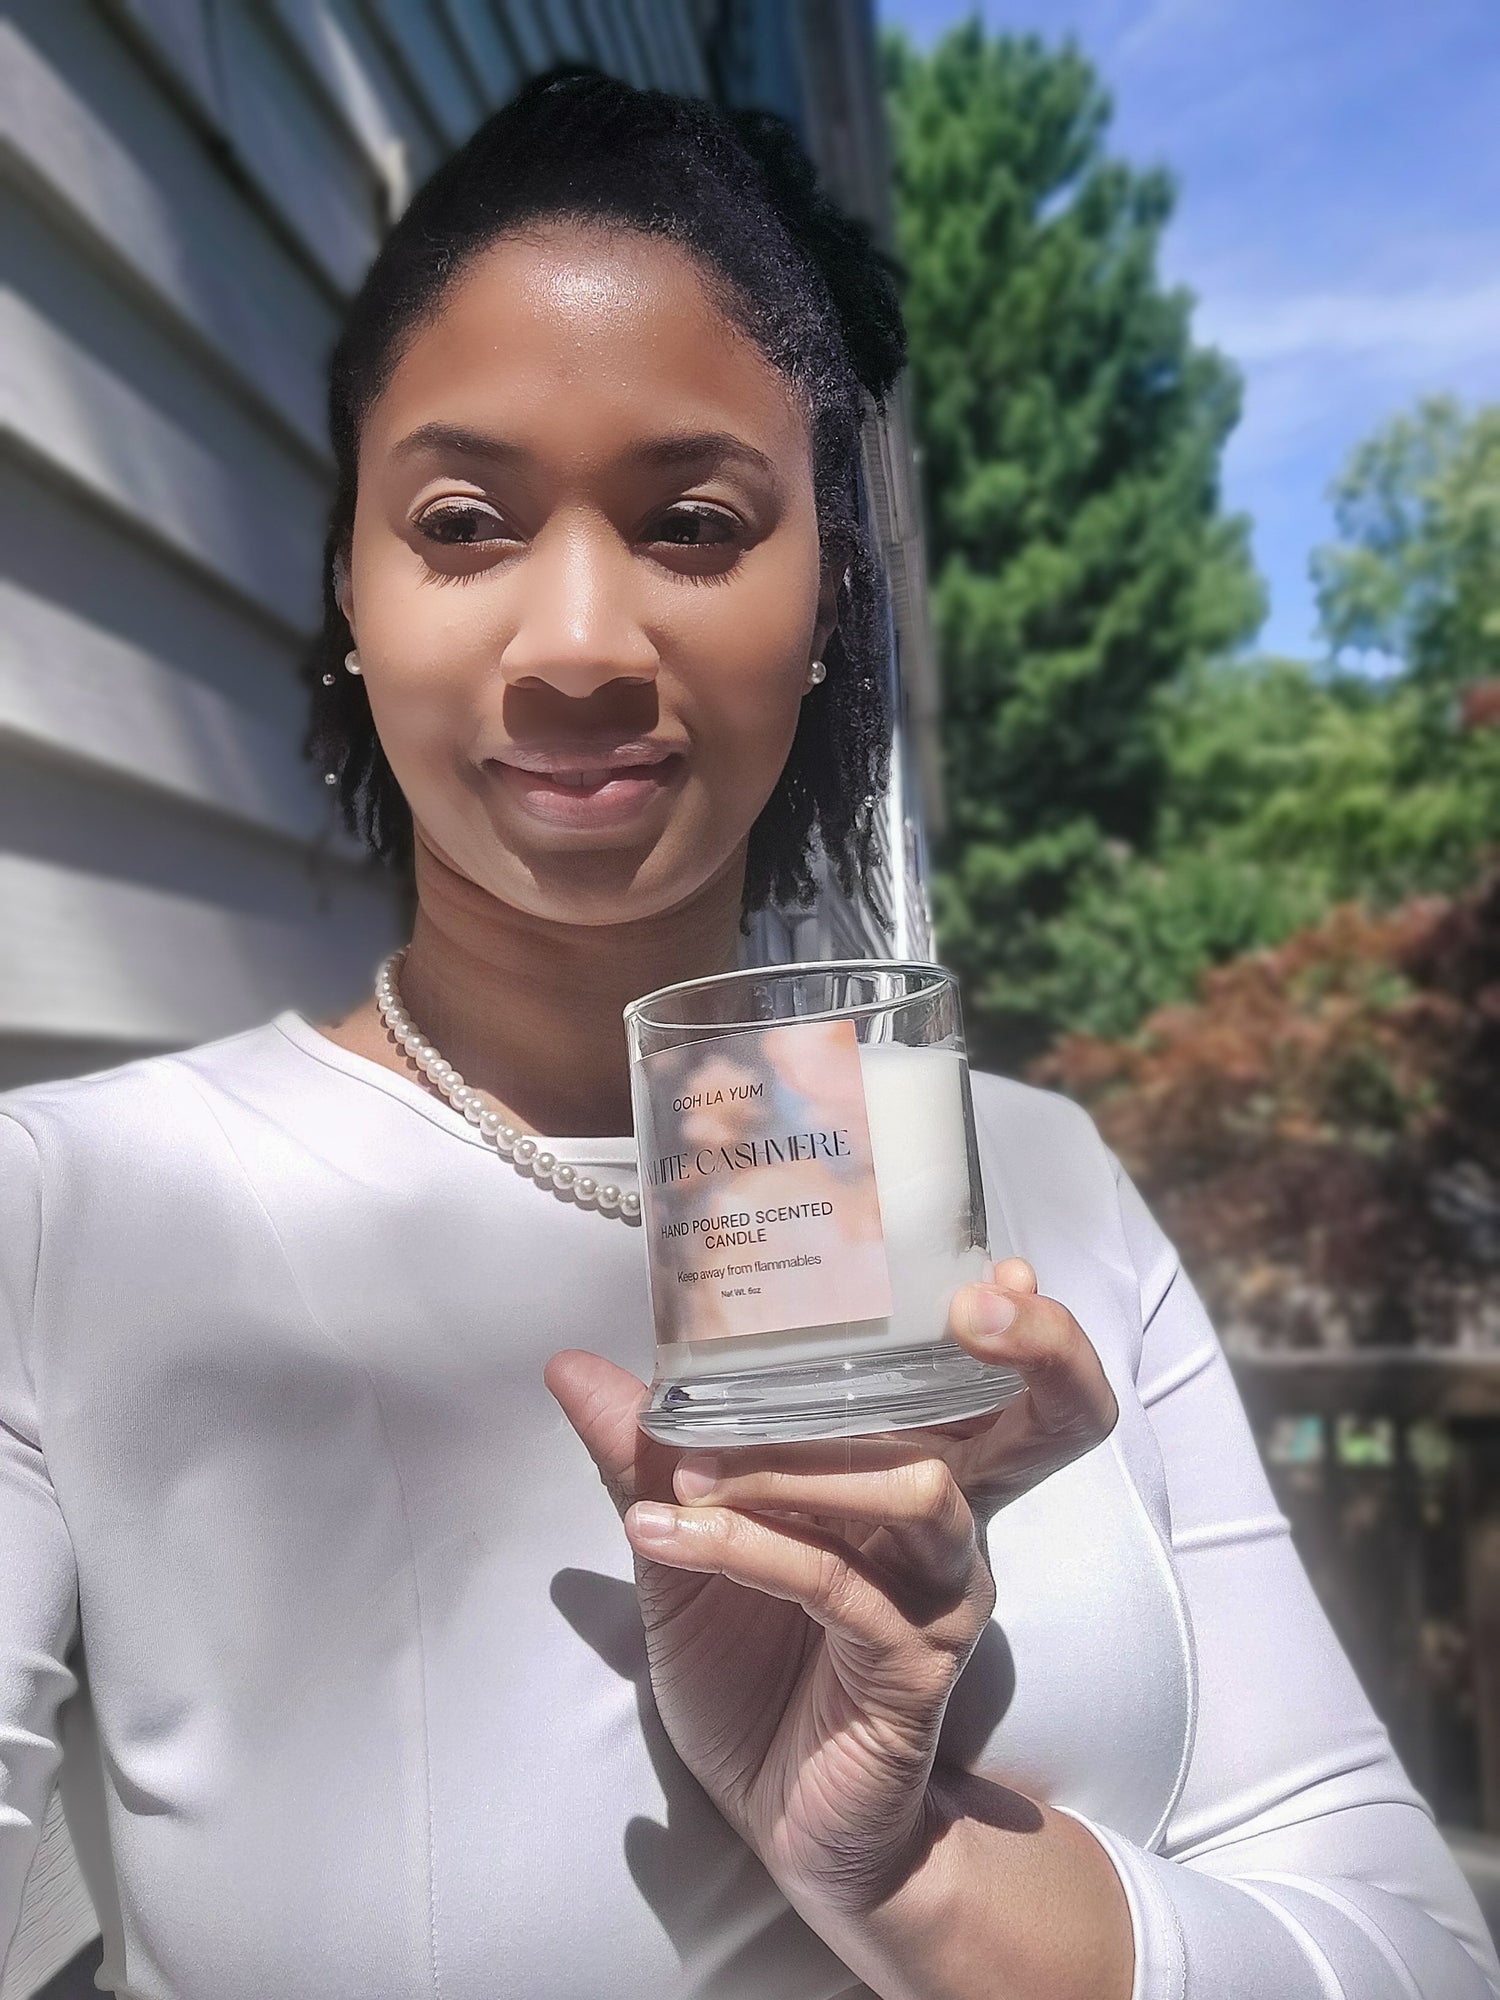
[934, 976]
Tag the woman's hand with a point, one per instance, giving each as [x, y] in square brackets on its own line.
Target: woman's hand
[809, 1607]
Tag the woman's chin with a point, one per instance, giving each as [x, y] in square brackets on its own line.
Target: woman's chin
[605, 879]
[600, 889]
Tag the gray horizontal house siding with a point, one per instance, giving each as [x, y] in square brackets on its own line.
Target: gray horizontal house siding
[189, 191]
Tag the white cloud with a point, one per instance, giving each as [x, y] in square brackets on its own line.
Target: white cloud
[1164, 21]
[1423, 329]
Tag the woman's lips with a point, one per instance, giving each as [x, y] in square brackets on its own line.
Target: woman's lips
[614, 800]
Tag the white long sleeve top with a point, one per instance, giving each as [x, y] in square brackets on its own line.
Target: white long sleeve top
[314, 1608]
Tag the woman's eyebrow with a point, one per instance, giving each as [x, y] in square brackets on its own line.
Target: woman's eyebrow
[687, 448]
[672, 450]
[458, 442]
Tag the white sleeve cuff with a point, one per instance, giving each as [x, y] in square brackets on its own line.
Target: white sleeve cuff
[1160, 1949]
[1273, 1935]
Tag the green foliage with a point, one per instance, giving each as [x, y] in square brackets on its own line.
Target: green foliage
[1071, 435]
[1365, 788]
[1284, 793]
[1417, 571]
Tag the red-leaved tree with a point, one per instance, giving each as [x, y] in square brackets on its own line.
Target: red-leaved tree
[1320, 1132]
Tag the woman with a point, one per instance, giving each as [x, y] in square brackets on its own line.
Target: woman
[376, 1692]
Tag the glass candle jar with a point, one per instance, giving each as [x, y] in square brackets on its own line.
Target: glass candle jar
[811, 1200]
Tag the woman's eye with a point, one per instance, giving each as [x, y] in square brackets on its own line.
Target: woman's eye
[698, 528]
[461, 523]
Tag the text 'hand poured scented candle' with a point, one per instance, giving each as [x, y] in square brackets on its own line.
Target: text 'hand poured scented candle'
[811, 1200]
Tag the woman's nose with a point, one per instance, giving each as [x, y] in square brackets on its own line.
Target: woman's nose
[576, 629]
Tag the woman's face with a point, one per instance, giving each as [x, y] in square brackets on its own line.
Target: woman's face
[585, 529]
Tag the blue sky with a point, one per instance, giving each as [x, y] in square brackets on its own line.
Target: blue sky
[1338, 220]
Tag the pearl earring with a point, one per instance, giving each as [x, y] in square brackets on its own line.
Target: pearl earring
[815, 673]
[351, 661]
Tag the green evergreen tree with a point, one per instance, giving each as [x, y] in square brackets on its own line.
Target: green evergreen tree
[1071, 434]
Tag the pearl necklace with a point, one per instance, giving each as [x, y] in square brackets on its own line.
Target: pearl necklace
[519, 1147]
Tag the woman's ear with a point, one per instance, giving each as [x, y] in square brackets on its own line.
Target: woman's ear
[342, 591]
[835, 575]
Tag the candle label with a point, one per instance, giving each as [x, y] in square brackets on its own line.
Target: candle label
[758, 1190]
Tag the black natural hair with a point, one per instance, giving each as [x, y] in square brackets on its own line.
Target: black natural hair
[789, 268]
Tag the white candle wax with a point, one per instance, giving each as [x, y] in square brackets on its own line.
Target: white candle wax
[918, 1142]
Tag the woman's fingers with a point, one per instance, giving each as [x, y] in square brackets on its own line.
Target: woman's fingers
[601, 1402]
[922, 1486]
[1040, 1337]
[1068, 1406]
[811, 1567]
[1012, 1274]
[913, 1496]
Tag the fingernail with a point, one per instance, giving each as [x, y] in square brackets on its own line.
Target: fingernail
[994, 1312]
[651, 1520]
[693, 1481]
